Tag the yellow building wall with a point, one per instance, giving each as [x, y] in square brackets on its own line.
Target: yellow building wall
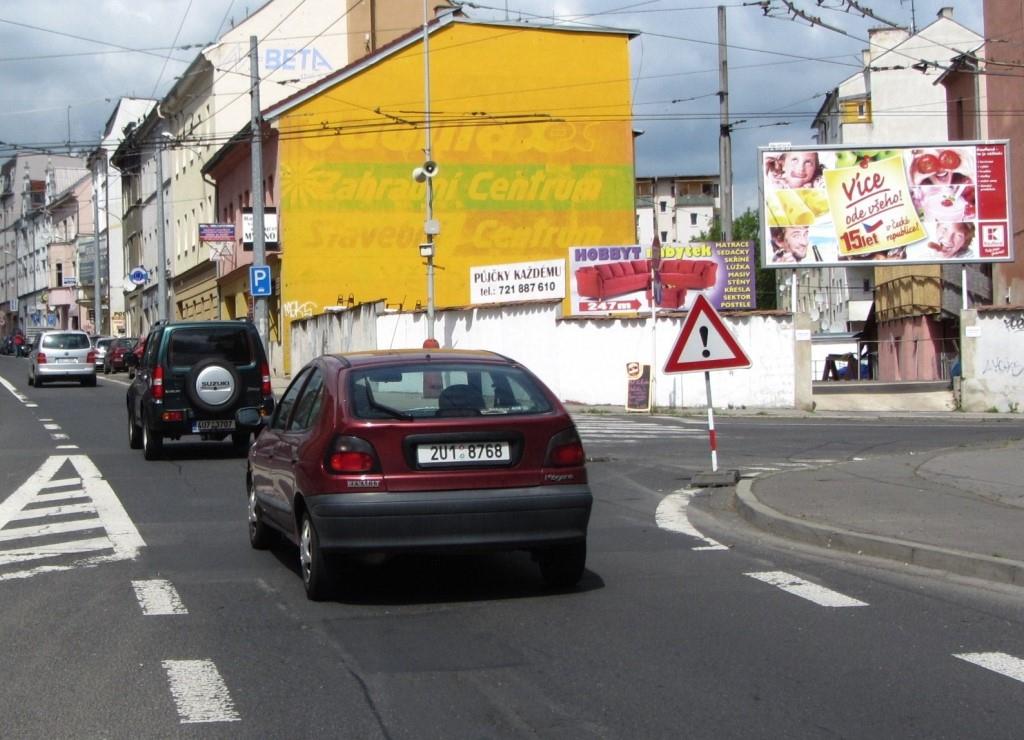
[533, 136]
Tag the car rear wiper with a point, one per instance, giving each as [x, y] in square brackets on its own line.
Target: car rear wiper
[393, 413]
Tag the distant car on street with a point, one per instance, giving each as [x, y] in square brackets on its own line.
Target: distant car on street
[114, 360]
[102, 344]
[62, 355]
[388, 452]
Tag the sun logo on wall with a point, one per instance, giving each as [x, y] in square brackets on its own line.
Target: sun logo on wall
[305, 183]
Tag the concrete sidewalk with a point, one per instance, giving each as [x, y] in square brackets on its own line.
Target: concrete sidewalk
[960, 511]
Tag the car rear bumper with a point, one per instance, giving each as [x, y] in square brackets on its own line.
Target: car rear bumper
[508, 518]
[66, 370]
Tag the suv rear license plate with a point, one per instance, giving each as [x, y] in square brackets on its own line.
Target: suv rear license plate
[445, 453]
[214, 425]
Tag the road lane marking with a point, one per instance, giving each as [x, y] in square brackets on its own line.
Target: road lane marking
[51, 427]
[199, 692]
[806, 590]
[671, 516]
[14, 392]
[158, 597]
[1002, 663]
[88, 498]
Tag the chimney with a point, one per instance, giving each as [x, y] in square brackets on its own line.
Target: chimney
[946, 12]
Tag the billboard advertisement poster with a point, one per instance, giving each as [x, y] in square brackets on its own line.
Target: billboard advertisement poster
[931, 203]
[521, 281]
[620, 279]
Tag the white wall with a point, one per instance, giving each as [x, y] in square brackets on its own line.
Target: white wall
[993, 360]
[582, 360]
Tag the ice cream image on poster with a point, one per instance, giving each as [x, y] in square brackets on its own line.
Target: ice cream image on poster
[871, 206]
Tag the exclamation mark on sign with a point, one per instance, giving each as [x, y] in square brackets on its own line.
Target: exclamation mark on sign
[704, 340]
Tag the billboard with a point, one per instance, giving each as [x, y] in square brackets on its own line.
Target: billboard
[839, 206]
[622, 279]
[521, 281]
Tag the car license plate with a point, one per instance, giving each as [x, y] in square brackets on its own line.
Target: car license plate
[214, 425]
[66, 360]
[445, 453]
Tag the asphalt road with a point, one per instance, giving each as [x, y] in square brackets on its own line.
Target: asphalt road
[667, 636]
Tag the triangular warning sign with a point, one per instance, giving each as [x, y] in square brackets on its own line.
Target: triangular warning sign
[705, 343]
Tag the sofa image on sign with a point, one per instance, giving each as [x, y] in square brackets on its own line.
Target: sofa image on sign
[618, 278]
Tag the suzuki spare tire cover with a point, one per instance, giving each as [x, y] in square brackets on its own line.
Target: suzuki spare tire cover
[213, 385]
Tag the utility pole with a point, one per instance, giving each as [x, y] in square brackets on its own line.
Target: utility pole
[97, 280]
[161, 243]
[259, 256]
[430, 226]
[724, 139]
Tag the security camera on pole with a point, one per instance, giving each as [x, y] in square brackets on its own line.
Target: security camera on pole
[425, 173]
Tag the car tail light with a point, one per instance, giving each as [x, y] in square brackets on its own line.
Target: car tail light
[565, 450]
[40, 359]
[265, 388]
[351, 455]
[158, 383]
[91, 357]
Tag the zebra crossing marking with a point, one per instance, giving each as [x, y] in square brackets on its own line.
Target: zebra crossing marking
[40, 538]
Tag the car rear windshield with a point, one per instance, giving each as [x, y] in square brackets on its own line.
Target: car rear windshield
[190, 346]
[65, 341]
[432, 390]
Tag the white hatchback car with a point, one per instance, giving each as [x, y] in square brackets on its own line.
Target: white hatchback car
[65, 354]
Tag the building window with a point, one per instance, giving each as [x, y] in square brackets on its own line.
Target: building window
[663, 206]
[664, 237]
[60, 275]
[693, 219]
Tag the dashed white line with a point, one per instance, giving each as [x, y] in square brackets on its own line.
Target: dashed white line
[806, 590]
[1002, 663]
[51, 427]
[199, 692]
[671, 515]
[158, 597]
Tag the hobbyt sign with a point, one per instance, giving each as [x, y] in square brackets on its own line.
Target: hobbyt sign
[705, 343]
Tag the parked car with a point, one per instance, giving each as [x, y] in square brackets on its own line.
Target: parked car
[208, 378]
[390, 452]
[65, 354]
[133, 362]
[113, 361]
[102, 344]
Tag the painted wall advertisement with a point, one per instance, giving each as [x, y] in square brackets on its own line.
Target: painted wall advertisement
[522, 281]
[621, 279]
[832, 206]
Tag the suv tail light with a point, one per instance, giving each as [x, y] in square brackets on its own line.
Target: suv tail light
[351, 456]
[40, 359]
[265, 388]
[158, 383]
[565, 450]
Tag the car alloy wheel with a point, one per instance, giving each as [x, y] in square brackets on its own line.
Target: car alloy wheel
[152, 442]
[259, 533]
[311, 562]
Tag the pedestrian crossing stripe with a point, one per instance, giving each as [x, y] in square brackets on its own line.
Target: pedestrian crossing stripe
[64, 516]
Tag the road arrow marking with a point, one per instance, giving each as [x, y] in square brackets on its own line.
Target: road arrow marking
[99, 532]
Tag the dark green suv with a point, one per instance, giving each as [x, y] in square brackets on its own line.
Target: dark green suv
[209, 378]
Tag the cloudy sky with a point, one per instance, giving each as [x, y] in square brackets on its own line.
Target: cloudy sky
[64, 63]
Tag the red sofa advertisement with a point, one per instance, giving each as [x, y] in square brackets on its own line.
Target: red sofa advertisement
[624, 279]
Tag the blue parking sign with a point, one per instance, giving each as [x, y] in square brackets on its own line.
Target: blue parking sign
[259, 281]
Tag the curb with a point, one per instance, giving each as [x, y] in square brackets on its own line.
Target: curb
[832, 537]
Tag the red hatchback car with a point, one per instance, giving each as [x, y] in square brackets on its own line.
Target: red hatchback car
[420, 450]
